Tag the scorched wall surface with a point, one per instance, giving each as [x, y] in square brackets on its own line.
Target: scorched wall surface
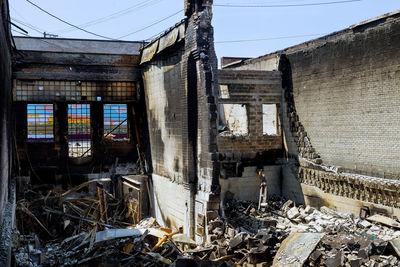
[347, 96]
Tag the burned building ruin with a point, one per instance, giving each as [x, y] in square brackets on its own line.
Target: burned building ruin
[90, 125]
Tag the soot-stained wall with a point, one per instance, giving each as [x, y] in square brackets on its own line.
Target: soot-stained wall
[180, 81]
[5, 105]
[347, 97]
[346, 94]
[163, 97]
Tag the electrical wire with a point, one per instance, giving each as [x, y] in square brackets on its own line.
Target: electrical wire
[117, 14]
[24, 21]
[18, 32]
[66, 22]
[288, 5]
[268, 39]
[148, 26]
[27, 25]
[39, 39]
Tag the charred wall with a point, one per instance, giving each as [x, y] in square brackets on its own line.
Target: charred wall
[7, 185]
[340, 101]
[5, 105]
[251, 89]
[71, 71]
[179, 75]
[347, 97]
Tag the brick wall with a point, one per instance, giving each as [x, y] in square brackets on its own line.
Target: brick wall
[180, 84]
[346, 94]
[252, 88]
[348, 99]
[163, 91]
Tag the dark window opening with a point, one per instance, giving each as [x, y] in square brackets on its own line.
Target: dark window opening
[40, 122]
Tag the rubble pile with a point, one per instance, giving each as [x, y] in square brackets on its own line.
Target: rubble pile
[74, 228]
[248, 236]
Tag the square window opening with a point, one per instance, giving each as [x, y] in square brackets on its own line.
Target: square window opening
[40, 122]
[236, 119]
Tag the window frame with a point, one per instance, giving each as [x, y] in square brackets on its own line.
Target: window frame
[36, 140]
[128, 138]
[89, 151]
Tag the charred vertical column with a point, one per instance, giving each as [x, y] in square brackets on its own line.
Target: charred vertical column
[192, 109]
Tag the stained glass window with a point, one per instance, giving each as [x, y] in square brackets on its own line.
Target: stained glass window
[40, 122]
[115, 122]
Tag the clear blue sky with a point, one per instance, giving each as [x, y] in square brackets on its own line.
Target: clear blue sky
[230, 23]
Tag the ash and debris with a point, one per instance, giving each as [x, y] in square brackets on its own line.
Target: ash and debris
[52, 232]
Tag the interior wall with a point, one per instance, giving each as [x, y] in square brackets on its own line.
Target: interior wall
[53, 156]
[72, 71]
[164, 93]
[180, 82]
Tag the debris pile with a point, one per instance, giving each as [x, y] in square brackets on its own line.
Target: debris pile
[286, 234]
[76, 228]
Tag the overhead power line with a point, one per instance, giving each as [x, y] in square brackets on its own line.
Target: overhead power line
[24, 21]
[27, 25]
[66, 22]
[148, 26]
[268, 39]
[288, 5]
[117, 14]
[39, 39]
[20, 32]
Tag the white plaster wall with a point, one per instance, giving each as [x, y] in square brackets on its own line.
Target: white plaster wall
[247, 187]
[169, 202]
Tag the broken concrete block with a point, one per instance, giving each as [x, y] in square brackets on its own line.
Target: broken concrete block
[288, 204]
[293, 213]
[364, 224]
[222, 251]
[334, 259]
[230, 232]
[236, 241]
[308, 210]
[218, 231]
[211, 215]
[309, 218]
[354, 261]
[318, 228]
[363, 253]
[315, 256]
